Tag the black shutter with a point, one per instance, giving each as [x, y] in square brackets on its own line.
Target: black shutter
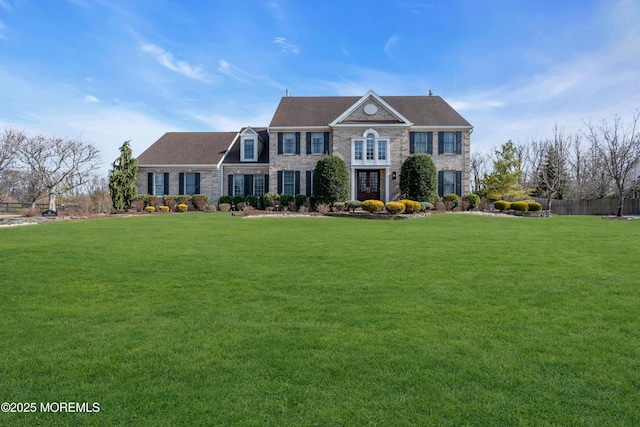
[297, 142]
[429, 142]
[440, 183]
[308, 184]
[308, 142]
[440, 142]
[230, 182]
[458, 142]
[150, 183]
[412, 142]
[197, 189]
[459, 183]
[279, 142]
[297, 183]
[166, 183]
[279, 182]
[326, 143]
[266, 182]
[181, 190]
[248, 185]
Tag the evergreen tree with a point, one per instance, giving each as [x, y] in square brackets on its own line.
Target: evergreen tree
[122, 179]
[506, 178]
[419, 179]
[553, 180]
[331, 180]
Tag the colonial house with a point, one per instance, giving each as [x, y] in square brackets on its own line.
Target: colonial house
[372, 134]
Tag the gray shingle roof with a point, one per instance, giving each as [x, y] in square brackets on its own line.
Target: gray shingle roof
[187, 148]
[322, 110]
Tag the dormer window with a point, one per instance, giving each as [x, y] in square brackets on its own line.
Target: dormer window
[249, 147]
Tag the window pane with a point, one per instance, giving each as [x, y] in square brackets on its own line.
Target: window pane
[449, 142]
[373, 181]
[248, 149]
[289, 146]
[191, 184]
[449, 182]
[370, 148]
[288, 186]
[159, 184]
[238, 185]
[420, 143]
[317, 143]
[382, 150]
[357, 150]
[258, 185]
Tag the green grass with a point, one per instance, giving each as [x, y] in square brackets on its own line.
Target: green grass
[208, 319]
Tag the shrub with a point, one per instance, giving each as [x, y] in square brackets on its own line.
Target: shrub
[352, 205]
[137, 203]
[170, 201]
[502, 205]
[224, 207]
[451, 201]
[200, 201]
[252, 201]
[419, 178]
[372, 205]
[183, 199]
[323, 208]
[164, 208]
[426, 206]
[338, 207]
[534, 206]
[30, 212]
[285, 200]
[472, 201]
[150, 209]
[411, 206]
[182, 207]
[331, 180]
[151, 200]
[225, 199]
[395, 207]
[300, 200]
[237, 200]
[211, 208]
[246, 209]
[520, 206]
[304, 209]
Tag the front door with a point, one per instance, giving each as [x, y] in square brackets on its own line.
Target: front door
[368, 185]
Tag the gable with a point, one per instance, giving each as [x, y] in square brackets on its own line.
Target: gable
[188, 148]
[369, 110]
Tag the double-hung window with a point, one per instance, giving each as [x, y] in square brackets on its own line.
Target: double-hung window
[382, 150]
[190, 184]
[448, 182]
[238, 185]
[371, 143]
[258, 185]
[249, 150]
[288, 182]
[317, 143]
[420, 143]
[449, 140]
[357, 150]
[289, 143]
[158, 187]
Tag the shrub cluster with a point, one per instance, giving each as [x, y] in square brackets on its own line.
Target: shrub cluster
[451, 201]
[534, 206]
[502, 205]
[471, 201]
[200, 201]
[520, 206]
[183, 207]
[170, 201]
[395, 207]
[372, 205]
[411, 206]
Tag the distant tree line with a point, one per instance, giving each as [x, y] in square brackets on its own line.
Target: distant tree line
[602, 160]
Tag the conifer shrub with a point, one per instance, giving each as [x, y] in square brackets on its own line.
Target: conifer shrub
[164, 208]
[426, 206]
[252, 201]
[225, 199]
[300, 200]
[534, 206]
[411, 206]
[520, 206]
[372, 206]
[331, 180]
[471, 201]
[338, 207]
[502, 205]
[200, 201]
[150, 209]
[285, 200]
[224, 207]
[419, 178]
[237, 200]
[352, 205]
[395, 207]
[183, 207]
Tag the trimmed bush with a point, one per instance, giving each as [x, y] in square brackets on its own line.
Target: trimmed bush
[451, 201]
[137, 203]
[426, 206]
[534, 206]
[372, 206]
[252, 201]
[150, 209]
[269, 200]
[323, 208]
[285, 201]
[224, 207]
[338, 207]
[331, 180]
[225, 199]
[411, 206]
[182, 207]
[183, 199]
[352, 205]
[395, 207]
[502, 205]
[419, 178]
[520, 206]
[211, 208]
[164, 208]
[300, 200]
[170, 201]
[237, 200]
[240, 206]
[472, 201]
[151, 200]
[200, 201]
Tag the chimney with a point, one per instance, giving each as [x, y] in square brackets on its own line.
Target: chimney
[287, 93]
[430, 92]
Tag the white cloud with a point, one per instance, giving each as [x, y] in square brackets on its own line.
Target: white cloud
[181, 67]
[234, 72]
[91, 98]
[390, 45]
[286, 46]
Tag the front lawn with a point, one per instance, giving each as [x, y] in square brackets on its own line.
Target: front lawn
[209, 319]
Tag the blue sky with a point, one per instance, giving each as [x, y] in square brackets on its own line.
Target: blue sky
[107, 71]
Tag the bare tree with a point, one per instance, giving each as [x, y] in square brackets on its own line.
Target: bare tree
[549, 160]
[479, 165]
[58, 164]
[619, 149]
[9, 142]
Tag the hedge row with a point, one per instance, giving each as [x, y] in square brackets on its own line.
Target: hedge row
[523, 206]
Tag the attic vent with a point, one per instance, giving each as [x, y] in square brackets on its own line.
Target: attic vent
[370, 109]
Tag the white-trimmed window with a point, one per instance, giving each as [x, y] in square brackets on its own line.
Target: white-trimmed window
[190, 184]
[258, 185]
[371, 144]
[288, 182]
[238, 185]
[249, 152]
[449, 143]
[448, 182]
[382, 150]
[158, 184]
[317, 143]
[289, 143]
[370, 149]
[357, 150]
[420, 143]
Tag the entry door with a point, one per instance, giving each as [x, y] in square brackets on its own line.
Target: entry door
[368, 185]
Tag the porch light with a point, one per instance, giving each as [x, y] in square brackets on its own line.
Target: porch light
[393, 175]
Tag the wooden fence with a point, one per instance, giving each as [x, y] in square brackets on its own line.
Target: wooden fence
[591, 207]
[10, 208]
